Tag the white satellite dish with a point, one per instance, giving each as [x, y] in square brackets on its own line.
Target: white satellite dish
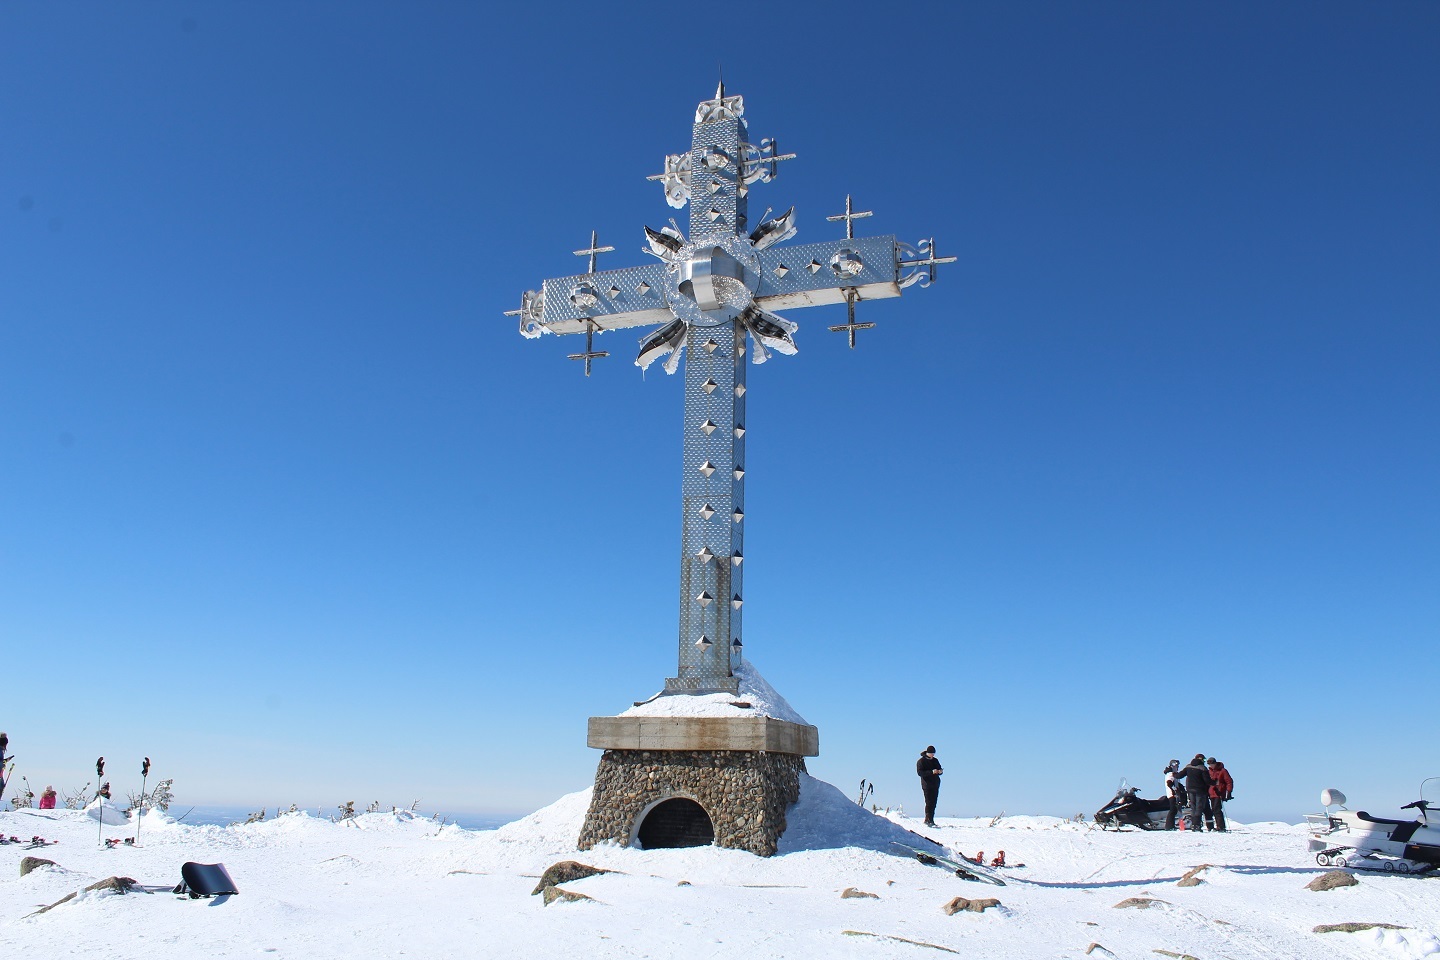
[1331, 797]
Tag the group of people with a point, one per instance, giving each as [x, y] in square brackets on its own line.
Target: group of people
[1200, 788]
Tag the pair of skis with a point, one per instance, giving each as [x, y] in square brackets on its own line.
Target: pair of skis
[965, 871]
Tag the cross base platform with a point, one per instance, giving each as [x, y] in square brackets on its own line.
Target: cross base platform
[690, 781]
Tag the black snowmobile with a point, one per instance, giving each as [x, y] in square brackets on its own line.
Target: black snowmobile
[1128, 808]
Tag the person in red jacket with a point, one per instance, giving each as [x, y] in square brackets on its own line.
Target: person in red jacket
[1221, 787]
[47, 799]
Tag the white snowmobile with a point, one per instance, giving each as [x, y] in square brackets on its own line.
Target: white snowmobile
[1354, 839]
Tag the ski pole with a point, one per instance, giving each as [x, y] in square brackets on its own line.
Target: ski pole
[144, 775]
[100, 795]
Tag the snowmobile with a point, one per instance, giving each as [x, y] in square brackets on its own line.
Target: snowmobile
[1354, 839]
[1128, 808]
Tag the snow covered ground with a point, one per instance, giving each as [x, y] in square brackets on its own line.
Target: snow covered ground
[388, 885]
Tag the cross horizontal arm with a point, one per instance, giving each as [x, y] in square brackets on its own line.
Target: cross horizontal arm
[632, 297]
[812, 274]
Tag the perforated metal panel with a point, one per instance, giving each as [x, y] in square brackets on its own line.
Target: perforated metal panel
[712, 497]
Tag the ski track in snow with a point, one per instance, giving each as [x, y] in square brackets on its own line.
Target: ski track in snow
[390, 885]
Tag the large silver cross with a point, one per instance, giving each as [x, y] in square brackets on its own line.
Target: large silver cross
[710, 291]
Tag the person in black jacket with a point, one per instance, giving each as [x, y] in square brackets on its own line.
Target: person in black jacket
[1197, 785]
[929, 770]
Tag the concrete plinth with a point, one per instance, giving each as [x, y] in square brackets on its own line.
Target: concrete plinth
[742, 771]
[744, 793]
[764, 734]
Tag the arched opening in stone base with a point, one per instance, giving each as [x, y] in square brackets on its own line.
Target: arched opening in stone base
[677, 822]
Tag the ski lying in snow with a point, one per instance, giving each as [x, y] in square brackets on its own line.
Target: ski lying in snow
[965, 871]
[36, 842]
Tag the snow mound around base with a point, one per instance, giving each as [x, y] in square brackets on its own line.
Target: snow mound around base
[762, 698]
[822, 819]
[826, 819]
[552, 828]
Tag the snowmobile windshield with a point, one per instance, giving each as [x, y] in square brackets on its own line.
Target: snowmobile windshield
[1124, 787]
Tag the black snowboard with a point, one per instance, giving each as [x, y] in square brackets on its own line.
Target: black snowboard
[205, 880]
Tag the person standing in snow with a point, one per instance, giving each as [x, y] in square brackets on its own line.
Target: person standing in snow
[4, 759]
[929, 770]
[1197, 786]
[47, 799]
[1173, 793]
[1221, 786]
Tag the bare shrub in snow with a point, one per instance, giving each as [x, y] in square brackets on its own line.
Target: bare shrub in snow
[76, 800]
[24, 798]
[158, 799]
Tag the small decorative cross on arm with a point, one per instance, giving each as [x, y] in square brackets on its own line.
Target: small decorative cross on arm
[590, 352]
[850, 216]
[923, 265]
[850, 326]
[593, 251]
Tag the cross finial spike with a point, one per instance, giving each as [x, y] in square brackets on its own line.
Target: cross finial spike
[720, 90]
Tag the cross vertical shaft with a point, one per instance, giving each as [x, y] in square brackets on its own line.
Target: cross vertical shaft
[712, 477]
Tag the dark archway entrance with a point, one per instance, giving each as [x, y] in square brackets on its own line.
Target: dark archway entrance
[677, 822]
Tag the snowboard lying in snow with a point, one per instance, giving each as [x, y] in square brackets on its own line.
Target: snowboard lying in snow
[965, 871]
[205, 880]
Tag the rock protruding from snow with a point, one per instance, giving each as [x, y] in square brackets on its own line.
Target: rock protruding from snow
[961, 904]
[1140, 903]
[851, 893]
[108, 885]
[31, 863]
[1331, 879]
[566, 871]
[1352, 927]
[553, 894]
[1192, 876]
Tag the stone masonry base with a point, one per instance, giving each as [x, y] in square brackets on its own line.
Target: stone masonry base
[744, 792]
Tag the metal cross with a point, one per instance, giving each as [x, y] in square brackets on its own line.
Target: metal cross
[713, 292]
[850, 326]
[850, 217]
[590, 352]
[925, 251]
[594, 251]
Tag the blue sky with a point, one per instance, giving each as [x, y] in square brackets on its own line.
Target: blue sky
[289, 506]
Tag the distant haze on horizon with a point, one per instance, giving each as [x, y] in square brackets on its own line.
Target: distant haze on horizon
[294, 511]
